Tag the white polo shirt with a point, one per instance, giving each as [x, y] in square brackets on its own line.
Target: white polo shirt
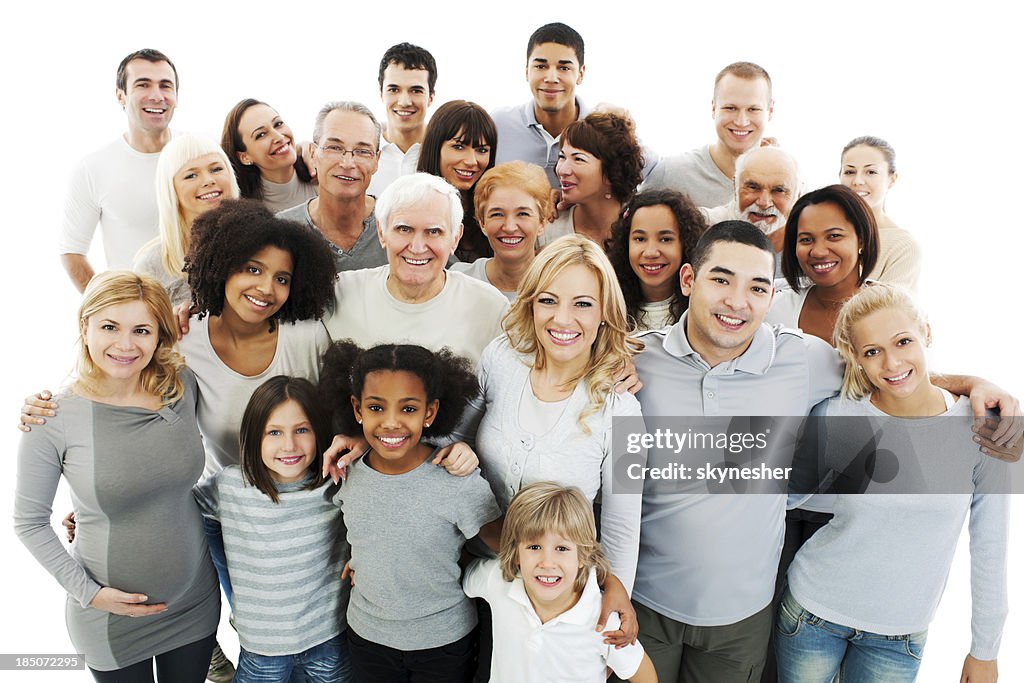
[565, 649]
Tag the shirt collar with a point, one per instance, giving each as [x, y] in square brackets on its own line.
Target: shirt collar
[577, 614]
[530, 115]
[756, 360]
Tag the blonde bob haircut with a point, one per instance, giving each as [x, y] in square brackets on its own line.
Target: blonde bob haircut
[529, 178]
[612, 347]
[546, 506]
[114, 287]
[878, 297]
[174, 233]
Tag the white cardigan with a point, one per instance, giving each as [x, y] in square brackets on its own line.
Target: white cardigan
[511, 457]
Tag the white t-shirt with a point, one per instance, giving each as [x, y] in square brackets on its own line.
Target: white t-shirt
[465, 316]
[115, 187]
[566, 648]
[224, 393]
[563, 225]
[478, 271]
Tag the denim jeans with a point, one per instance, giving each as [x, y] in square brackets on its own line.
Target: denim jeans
[810, 649]
[324, 663]
[215, 541]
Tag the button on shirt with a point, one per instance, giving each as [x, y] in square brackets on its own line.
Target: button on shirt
[711, 559]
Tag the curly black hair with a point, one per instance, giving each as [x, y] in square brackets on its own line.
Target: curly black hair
[448, 378]
[224, 239]
[610, 138]
[690, 223]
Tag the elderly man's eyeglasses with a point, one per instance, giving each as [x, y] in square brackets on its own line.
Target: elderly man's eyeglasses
[339, 152]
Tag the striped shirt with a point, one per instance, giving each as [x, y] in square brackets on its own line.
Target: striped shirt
[285, 561]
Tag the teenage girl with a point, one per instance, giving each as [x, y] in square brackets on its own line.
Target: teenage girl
[283, 538]
[407, 520]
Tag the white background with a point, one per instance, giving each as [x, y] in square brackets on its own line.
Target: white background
[940, 83]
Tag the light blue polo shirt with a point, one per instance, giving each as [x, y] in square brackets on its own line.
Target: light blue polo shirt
[522, 138]
[711, 559]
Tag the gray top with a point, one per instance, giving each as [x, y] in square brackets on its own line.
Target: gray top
[149, 261]
[695, 174]
[131, 472]
[865, 571]
[285, 560]
[279, 197]
[711, 559]
[478, 270]
[365, 253]
[407, 531]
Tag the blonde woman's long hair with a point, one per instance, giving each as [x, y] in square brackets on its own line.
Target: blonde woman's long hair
[878, 297]
[613, 345]
[114, 287]
[174, 232]
[546, 506]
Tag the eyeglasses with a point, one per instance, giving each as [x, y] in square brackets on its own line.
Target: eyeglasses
[339, 152]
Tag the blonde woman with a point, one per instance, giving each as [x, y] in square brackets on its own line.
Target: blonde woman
[193, 175]
[512, 202]
[863, 590]
[548, 386]
[139, 579]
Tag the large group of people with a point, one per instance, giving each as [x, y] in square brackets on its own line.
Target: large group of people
[468, 303]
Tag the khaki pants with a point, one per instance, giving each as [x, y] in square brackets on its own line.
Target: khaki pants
[734, 653]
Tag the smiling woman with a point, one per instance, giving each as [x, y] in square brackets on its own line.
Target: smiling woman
[261, 148]
[459, 145]
[548, 387]
[192, 176]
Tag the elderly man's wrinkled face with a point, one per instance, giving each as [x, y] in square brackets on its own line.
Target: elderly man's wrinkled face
[419, 239]
[766, 192]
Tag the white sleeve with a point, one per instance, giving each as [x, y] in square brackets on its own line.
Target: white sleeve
[625, 661]
[478, 577]
[620, 512]
[81, 213]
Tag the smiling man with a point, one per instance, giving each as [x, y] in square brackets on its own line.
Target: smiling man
[413, 299]
[707, 563]
[346, 143]
[767, 180]
[114, 185]
[554, 67]
[741, 107]
[406, 78]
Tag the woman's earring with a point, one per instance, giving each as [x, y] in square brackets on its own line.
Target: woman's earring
[426, 425]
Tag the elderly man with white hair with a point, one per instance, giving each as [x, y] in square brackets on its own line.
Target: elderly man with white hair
[766, 189]
[413, 299]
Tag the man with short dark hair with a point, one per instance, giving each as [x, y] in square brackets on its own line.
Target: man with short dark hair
[741, 106]
[346, 148]
[554, 67]
[114, 186]
[707, 562]
[406, 79]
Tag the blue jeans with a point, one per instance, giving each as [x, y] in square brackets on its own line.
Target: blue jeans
[810, 649]
[215, 541]
[327, 662]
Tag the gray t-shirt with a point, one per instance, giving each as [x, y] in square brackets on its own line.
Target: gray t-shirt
[365, 253]
[711, 559]
[131, 472]
[279, 197]
[406, 532]
[695, 174]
